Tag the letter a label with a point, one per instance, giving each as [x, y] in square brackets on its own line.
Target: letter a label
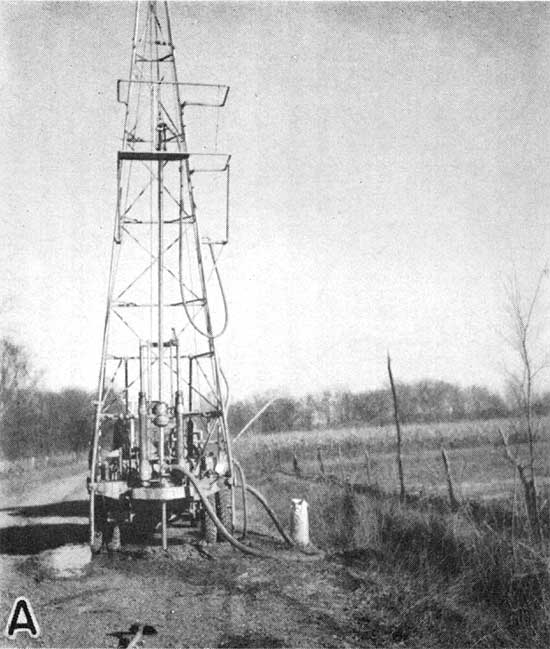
[22, 618]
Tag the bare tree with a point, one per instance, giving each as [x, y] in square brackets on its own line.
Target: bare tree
[14, 372]
[525, 340]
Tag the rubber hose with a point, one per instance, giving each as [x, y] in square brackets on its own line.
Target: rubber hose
[243, 492]
[268, 509]
[272, 515]
[223, 530]
[219, 525]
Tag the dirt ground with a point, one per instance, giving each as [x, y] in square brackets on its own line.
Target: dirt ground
[193, 598]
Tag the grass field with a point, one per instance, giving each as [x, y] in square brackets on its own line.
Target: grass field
[467, 576]
[367, 455]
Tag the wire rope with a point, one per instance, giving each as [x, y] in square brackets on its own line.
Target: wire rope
[206, 334]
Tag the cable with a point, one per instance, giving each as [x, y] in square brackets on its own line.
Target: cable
[227, 394]
[206, 334]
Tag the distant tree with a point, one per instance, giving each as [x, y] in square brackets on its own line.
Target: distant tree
[305, 414]
[344, 407]
[240, 413]
[480, 403]
[280, 416]
[78, 412]
[15, 372]
[326, 408]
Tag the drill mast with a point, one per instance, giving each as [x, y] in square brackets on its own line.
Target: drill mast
[159, 348]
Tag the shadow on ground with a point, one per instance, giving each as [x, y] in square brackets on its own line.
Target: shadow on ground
[32, 539]
[67, 508]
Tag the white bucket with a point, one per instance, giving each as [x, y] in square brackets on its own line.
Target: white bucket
[299, 521]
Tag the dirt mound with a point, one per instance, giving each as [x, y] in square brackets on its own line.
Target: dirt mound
[65, 562]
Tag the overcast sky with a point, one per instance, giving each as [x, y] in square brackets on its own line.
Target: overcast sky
[390, 168]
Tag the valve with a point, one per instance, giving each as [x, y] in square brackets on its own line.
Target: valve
[160, 410]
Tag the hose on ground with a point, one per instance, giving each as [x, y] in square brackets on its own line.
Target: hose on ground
[263, 502]
[179, 469]
[272, 515]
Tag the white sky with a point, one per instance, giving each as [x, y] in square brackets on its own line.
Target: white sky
[390, 167]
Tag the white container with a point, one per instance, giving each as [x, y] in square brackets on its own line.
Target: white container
[299, 521]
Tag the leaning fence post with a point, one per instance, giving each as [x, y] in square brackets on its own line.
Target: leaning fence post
[447, 466]
[320, 459]
[367, 466]
[296, 466]
[402, 494]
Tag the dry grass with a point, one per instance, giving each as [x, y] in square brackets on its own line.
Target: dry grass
[443, 578]
[446, 579]
[479, 467]
[20, 475]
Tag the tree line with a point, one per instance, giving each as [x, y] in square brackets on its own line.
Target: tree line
[427, 401]
[35, 422]
[39, 422]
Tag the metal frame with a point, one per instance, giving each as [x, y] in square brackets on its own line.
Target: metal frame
[219, 104]
[155, 181]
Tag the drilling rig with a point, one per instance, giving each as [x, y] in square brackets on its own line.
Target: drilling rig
[161, 452]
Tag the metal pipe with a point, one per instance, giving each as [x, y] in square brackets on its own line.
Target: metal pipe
[164, 526]
[178, 369]
[144, 460]
[190, 384]
[180, 439]
[141, 367]
[171, 364]
[161, 454]
[132, 433]
[126, 387]
[92, 509]
[148, 368]
[160, 272]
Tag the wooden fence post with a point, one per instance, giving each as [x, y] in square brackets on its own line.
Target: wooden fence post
[367, 466]
[296, 466]
[320, 459]
[402, 494]
[447, 466]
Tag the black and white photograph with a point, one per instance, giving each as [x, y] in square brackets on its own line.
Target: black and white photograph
[275, 324]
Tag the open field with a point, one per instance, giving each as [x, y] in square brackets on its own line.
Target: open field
[412, 574]
[366, 455]
[471, 575]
